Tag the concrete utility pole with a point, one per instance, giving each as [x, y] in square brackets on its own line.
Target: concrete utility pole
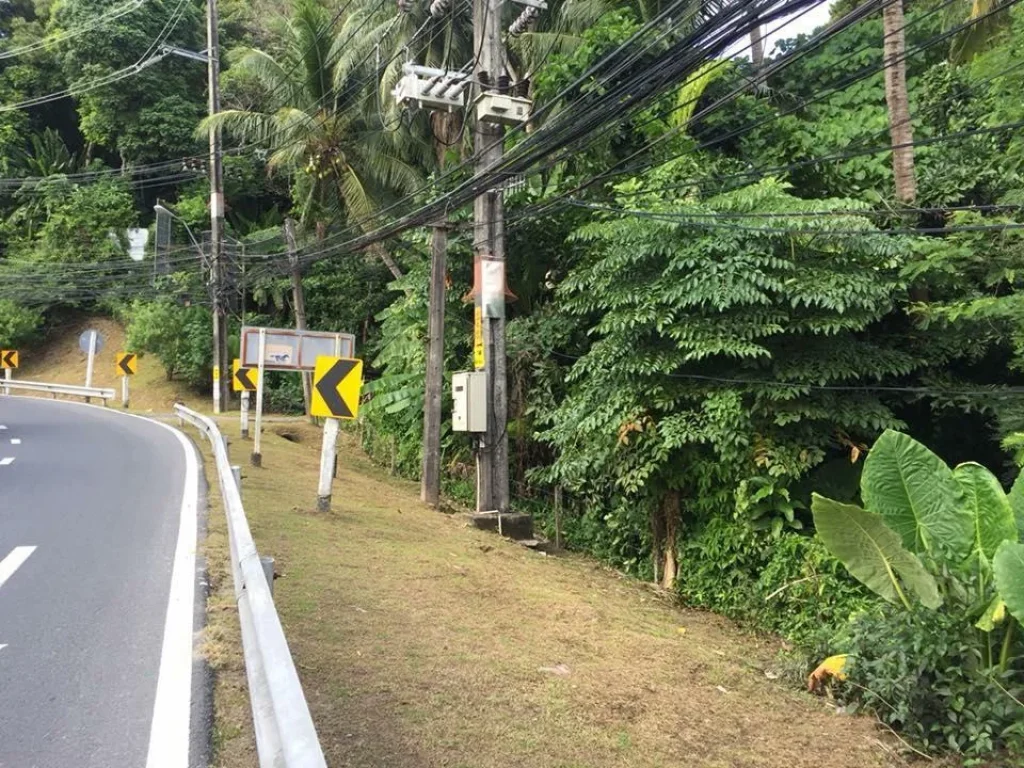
[220, 336]
[298, 299]
[489, 244]
[430, 482]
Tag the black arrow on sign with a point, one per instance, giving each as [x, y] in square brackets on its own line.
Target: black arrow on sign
[328, 388]
[125, 364]
[8, 359]
[242, 374]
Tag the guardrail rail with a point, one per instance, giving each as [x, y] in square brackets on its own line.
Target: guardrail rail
[285, 734]
[6, 385]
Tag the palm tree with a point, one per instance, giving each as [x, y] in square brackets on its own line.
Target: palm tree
[901, 131]
[320, 123]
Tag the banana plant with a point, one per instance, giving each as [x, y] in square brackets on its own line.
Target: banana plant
[919, 518]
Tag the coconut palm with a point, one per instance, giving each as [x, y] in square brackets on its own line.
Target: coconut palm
[319, 121]
[901, 131]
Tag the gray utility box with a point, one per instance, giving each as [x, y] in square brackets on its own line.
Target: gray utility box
[501, 108]
[469, 401]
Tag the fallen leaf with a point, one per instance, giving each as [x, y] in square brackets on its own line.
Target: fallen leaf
[721, 689]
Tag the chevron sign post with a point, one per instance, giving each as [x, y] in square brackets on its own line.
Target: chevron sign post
[337, 383]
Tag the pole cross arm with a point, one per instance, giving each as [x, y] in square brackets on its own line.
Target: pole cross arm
[202, 56]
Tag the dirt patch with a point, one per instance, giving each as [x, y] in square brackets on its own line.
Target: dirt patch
[291, 435]
[423, 642]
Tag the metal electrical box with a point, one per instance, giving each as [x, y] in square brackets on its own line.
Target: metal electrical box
[469, 401]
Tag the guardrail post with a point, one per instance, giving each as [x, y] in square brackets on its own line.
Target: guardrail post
[245, 415]
[268, 570]
[236, 472]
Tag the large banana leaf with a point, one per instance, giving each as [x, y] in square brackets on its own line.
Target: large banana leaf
[917, 496]
[872, 552]
[1008, 569]
[1017, 503]
[990, 512]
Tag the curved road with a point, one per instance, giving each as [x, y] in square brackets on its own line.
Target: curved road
[97, 588]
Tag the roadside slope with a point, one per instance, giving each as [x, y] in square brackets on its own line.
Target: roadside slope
[422, 642]
[58, 360]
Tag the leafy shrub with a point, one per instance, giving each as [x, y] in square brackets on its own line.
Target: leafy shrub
[934, 538]
[178, 335]
[17, 323]
[924, 673]
[788, 584]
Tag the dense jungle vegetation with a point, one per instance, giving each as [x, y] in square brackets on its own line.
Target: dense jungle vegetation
[721, 302]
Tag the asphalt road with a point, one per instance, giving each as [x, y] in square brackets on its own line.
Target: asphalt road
[98, 617]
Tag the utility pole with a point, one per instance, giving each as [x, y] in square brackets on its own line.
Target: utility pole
[489, 246]
[298, 299]
[220, 340]
[430, 481]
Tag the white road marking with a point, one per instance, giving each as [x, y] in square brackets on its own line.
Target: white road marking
[6, 460]
[2, 646]
[3, 427]
[15, 441]
[13, 562]
[169, 730]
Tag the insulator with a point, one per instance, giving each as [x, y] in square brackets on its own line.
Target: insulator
[404, 6]
[503, 83]
[439, 8]
[522, 89]
[523, 21]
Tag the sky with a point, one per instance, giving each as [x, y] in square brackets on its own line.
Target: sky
[802, 22]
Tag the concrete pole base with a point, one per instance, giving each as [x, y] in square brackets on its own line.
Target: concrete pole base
[323, 503]
[256, 459]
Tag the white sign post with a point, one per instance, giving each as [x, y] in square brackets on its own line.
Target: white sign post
[257, 457]
[91, 360]
[328, 456]
[124, 391]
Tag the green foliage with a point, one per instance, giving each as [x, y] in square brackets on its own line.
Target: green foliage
[924, 673]
[1008, 568]
[17, 323]
[934, 674]
[788, 584]
[178, 336]
[872, 552]
[917, 496]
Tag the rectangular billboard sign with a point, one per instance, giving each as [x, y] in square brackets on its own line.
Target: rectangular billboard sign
[287, 349]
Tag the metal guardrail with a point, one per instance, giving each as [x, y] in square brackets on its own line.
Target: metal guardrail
[6, 385]
[285, 735]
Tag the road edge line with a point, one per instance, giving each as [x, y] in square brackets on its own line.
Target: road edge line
[170, 731]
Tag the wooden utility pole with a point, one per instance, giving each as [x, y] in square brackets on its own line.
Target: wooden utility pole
[489, 244]
[220, 340]
[430, 481]
[298, 298]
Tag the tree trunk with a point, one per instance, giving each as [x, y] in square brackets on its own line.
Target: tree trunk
[757, 54]
[901, 132]
[430, 479]
[670, 518]
[378, 250]
[298, 299]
